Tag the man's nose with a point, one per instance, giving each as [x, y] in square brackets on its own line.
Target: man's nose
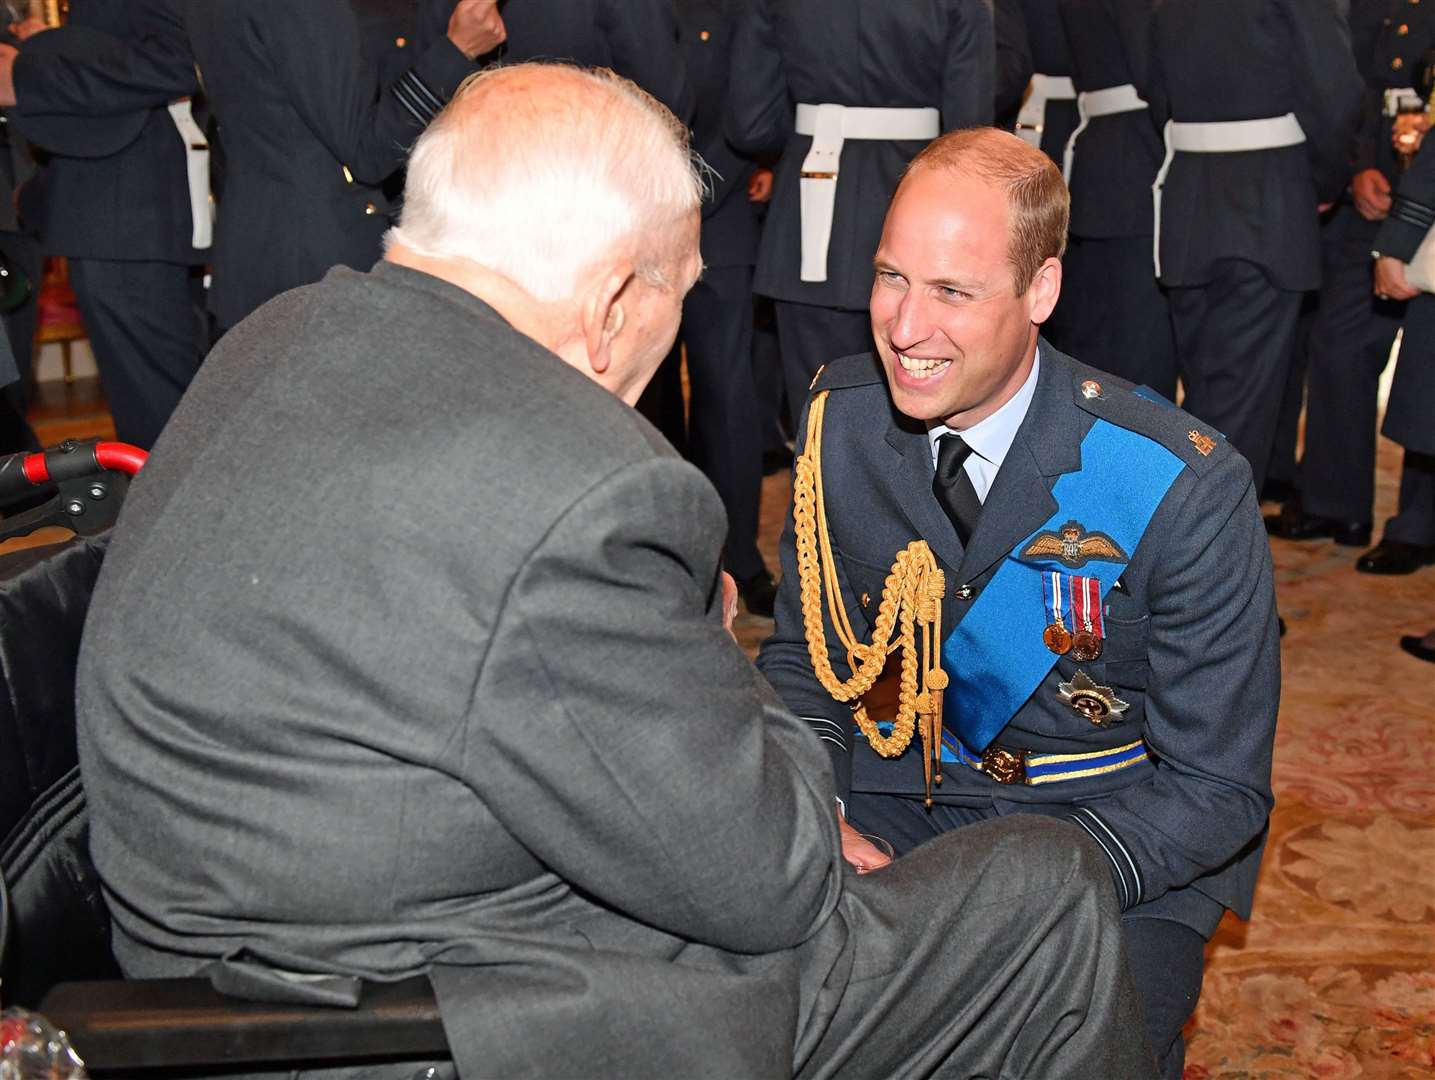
[912, 326]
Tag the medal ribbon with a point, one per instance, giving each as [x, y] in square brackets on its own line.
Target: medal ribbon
[1052, 590]
[1086, 611]
[996, 658]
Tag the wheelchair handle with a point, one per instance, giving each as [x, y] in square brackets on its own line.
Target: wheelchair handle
[21, 473]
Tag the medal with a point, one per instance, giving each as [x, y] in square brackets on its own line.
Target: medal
[1086, 618]
[1056, 636]
[1099, 704]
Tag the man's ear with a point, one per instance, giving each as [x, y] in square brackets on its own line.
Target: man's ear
[1044, 291]
[603, 316]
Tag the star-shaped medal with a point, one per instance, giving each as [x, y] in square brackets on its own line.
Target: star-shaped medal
[1097, 703]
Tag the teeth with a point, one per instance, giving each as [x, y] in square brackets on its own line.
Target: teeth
[921, 366]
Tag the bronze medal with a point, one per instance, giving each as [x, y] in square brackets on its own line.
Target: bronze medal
[1085, 646]
[1057, 638]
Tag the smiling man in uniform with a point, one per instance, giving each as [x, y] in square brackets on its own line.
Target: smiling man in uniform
[1104, 648]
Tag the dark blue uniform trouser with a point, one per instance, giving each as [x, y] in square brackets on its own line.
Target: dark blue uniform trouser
[1234, 336]
[812, 336]
[1166, 958]
[146, 330]
[1114, 314]
[1349, 347]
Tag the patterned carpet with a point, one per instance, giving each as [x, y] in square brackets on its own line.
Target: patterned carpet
[1334, 977]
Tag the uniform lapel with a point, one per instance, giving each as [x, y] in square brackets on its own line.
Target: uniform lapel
[912, 473]
[1047, 444]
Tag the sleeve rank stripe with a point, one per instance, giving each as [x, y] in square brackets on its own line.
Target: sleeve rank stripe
[411, 101]
[1412, 212]
[835, 742]
[1135, 874]
[422, 88]
[1120, 875]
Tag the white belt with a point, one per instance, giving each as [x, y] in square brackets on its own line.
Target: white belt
[1402, 99]
[1220, 137]
[1094, 103]
[830, 126]
[196, 158]
[1043, 88]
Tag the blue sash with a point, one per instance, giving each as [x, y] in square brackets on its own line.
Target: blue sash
[995, 657]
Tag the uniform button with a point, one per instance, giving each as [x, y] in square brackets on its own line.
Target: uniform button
[1397, 63]
[370, 208]
[966, 592]
[1403, 29]
[401, 41]
[705, 35]
[348, 176]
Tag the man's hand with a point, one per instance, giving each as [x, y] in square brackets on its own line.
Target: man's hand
[7, 74]
[1372, 194]
[729, 602]
[858, 850]
[476, 27]
[25, 29]
[759, 187]
[1390, 283]
[1408, 132]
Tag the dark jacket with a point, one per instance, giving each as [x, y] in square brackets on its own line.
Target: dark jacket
[1191, 639]
[1116, 157]
[731, 224]
[900, 53]
[309, 136]
[1226, 60]
[1410, 414]
[130, 203]
[1393, 40]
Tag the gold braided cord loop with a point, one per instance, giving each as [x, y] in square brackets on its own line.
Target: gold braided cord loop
[911, 599]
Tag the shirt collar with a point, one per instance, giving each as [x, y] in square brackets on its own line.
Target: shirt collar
[991, 438]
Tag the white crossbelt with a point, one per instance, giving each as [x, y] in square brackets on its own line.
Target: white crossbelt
[1220, 137]
[196, 158]
[830, 126]
[1032, 118]
[1095, 103]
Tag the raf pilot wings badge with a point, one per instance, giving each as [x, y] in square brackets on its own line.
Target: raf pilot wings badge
[1074, 546]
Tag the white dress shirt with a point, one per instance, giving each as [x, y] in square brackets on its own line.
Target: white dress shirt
[990, 439]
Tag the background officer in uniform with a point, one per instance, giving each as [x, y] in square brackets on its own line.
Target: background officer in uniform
[1190, 640]
[20, 250]
[310, 135]
[115, 195]
[1354, 328]
[923, 53]
[1409, 539]
[1116, 316]
[1268, 89]
[724, 428]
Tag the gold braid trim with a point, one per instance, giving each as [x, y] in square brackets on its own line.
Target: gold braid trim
[911, 599]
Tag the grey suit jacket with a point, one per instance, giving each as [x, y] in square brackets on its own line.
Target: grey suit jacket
[1191, 638]
[407, 656]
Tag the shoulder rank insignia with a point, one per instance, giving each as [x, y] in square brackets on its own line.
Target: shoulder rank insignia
[1204, 444]
[1074, 546]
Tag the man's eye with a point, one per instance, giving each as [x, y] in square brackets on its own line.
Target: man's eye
[889, 277]
[949, 293]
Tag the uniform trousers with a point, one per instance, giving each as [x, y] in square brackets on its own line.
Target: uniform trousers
[1414, 520]
[725, 423]
[1166, 958]
[1349, 348]
[811, 336]
[147, 332]
[1234, 335]
[22, 255]
[1114, 314]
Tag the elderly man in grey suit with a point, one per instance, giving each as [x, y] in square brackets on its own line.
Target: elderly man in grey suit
[407, 658]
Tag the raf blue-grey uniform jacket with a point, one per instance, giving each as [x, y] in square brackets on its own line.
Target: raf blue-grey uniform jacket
[1191, 639]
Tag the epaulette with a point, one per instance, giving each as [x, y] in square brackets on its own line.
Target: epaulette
[1142, 410]
[860, 369]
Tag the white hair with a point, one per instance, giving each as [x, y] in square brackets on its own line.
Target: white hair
[538, 179]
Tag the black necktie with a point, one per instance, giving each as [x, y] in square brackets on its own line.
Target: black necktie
[953, 487]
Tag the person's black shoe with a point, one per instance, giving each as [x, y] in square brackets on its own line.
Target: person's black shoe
[1396, 557]
[759, 594]
[1417, 648]
[1282, 624]
[1294, 524]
